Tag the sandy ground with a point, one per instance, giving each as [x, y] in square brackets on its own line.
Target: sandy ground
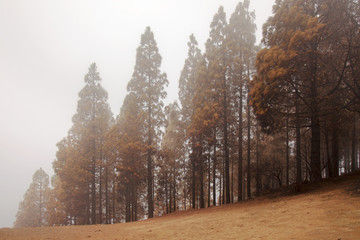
[331, 211]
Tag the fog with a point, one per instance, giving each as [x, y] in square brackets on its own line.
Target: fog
[46, 47]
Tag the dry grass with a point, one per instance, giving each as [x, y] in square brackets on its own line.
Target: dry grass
[327, 210]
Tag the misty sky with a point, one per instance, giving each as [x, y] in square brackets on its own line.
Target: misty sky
[46, 47]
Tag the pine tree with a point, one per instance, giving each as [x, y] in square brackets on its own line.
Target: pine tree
[240, 42]
[32, 210]
[148, 84]
[80, 159]
[187, 90]
[131, 148]
[172, 160]
[303, 65]
[217, 56]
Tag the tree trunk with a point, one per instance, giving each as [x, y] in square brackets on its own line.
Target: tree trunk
[258, 186]
[232, 180]
[334, 164]
[106, 194]
[127, 204]
[193, 180]
[170, 194]
[240, 152]
[174, 188]
[328, 158]
[135, 217]
[287, 152]
[214, 171]
[248, 146]
[298, 143]
[315, 161]
[315, 149]
[149, 167]
[100, 192]
[201, 176]
[93, 192]
[226, 151]
[209, 180]
[353, 147]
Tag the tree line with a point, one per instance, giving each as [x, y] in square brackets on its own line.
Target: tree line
[250, 119]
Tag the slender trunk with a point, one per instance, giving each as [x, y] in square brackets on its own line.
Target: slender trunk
[334, 166]
[298, 143]
[135, 201]
[193, 180]
[240, 152]
[232, 180]
[220, 188]
[100, 192]
[315, 162]
[149, 166]
[353, 147]
[315, 148]
[257, 162]
[40, 204]
[248, 147]
[214, 171]
[127, 204]
[106, 194]
[112, 221]
[174, 187]
[287, 152]
[224, 181]
[114, 199]
[328, 160]
[169, 197]
[93, 192]
[226, 151]
[209, 180]
[201, 173]
[166, 195]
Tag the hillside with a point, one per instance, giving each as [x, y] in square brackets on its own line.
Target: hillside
[326, 210]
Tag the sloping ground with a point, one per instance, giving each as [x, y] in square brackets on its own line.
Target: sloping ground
[327, 210]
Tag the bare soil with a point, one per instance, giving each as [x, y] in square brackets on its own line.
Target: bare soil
[326, 210]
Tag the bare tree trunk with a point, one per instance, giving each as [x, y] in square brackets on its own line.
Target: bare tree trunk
[114, 200]
[315, 163]
[258, 186]
[298, 143]
[240, 152]
[248, 147]
[232, 180]
[209, 180]
[287, 152]
[328, 158]
[353, 147]
[107, 194]
[193, 180]
[174, 187]
[100, 192]
[170, 193]
[335, 154]
[226, 152]
[93, 192]
[214, 171]
[201, 173]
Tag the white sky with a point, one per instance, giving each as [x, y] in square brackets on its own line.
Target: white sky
[46, 47]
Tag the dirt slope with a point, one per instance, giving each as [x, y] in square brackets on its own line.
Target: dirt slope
[328, 210]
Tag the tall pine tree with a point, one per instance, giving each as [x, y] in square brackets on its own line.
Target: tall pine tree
[148, 83]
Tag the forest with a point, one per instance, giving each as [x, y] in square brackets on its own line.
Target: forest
[250, 119]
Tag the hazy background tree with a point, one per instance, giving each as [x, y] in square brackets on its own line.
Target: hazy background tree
[32, 210]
